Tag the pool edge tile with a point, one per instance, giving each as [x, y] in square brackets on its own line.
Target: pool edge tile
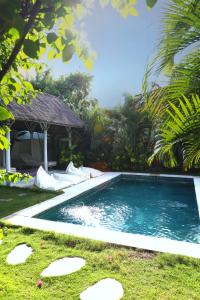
[113, 237]
[197, 191]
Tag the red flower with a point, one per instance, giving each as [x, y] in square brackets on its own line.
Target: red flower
[39, 283]
[110, 258]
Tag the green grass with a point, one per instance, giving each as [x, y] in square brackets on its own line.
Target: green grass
[144, 275]
[14, 199]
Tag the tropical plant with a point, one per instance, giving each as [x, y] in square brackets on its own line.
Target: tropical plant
[178, 57]
[131, 135]
[179, 135]
[13, 177]
[70, 154]
[73, 89]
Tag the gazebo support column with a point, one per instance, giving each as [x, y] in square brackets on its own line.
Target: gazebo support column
[8, 159]
[44, 127]
[45, 151]
[70, 138]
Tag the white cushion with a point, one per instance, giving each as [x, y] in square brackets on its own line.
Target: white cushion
[72, 170]
[44, 181]
[73, 179]
[91, 172]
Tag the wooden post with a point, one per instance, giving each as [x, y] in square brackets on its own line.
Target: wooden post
[8, 160]
[45, 150]
[69, 138]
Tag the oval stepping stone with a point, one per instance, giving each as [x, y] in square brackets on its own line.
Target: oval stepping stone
[106, 289]
[19, 254]
[63, 266]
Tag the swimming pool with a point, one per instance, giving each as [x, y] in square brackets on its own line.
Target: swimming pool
[152, 206]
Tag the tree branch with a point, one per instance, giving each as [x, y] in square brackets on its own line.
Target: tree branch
[19, 43]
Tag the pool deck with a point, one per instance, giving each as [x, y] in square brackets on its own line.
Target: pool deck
[26, 218]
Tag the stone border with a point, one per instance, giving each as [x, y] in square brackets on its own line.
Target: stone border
[197, 191]
[26, 218]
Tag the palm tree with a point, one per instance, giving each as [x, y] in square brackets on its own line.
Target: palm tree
[180, 40]
[179, 134]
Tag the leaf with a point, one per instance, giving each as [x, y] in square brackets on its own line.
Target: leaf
[51, 54]
[5, 114]
[68, 52]
[69, 35]
[51, 37]
[14, 33]
[31, 48]
[133, 11]
[89, 63]
[151, 3]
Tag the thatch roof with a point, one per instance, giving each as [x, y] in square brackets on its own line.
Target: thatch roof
[48, 109]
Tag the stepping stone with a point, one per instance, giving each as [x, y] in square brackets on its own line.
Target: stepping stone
[106, 289]
[6, 199]
[63, 266]
[22, 194]
[19, 254]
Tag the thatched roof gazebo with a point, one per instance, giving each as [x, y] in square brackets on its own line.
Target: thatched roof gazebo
[44, 113]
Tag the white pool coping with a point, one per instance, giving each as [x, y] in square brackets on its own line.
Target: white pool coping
[26, 218]
[197, 191]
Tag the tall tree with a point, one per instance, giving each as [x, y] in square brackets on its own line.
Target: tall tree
[74, 89]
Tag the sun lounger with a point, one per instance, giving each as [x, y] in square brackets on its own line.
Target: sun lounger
[70, 178]
[47, 182]
[91, 172]
[83, 171]
[72, 170]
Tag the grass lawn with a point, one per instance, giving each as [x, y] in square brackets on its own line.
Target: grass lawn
[14, 199]
[144, 275]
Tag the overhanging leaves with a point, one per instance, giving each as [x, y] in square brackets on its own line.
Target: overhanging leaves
[51, 37]
[5, 114]
[68, 52]
[31, 48]
[151, 3]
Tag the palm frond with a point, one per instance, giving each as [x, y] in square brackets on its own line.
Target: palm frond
[181, 29]
[181, 128]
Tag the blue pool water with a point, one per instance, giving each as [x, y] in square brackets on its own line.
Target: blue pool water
[150, 206]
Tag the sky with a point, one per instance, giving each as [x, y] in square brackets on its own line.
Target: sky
[124, 46]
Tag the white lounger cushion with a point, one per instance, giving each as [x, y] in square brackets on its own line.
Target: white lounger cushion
[91, 172]
[44, 181]
[73, 179]
[72, 170]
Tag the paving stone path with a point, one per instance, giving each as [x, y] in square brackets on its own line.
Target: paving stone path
[19, 254]
[106, 289]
